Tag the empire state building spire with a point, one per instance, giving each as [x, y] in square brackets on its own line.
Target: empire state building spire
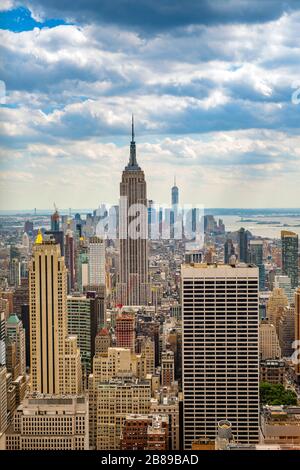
[133, 287]
[132, 165]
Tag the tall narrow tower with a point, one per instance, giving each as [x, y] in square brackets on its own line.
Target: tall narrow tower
[174, 194]
[55, 359]
[290, 241]
[133, 284]
[220, 319]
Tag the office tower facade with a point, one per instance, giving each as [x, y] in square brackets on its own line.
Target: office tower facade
[96, 261]
[268, 341]
[220, 312]
[28, 227]
[133, 283]
[59, 237]
[175, 194]
[167, 368]
[284, 282]
[116, 362]
[80, 322]
[276, 303]
[12, 365]
[82, 267]
[15, 333]
[175, 345]
[55, 221]
[102, 341]
[2, 338]
[21, 295]
[14, 272]
[168, 405]
[289, 243]
[286, 331]
[125, 330]
[98, 311]
[46, 422]
[228, 250]
[256, 257]
[174, 208]
[70, 258]
[3, 399]
[148, 355]
[297, 330]
[55, 359]
[25, 317]
[115, 399]
[152, 330]
[243, 245]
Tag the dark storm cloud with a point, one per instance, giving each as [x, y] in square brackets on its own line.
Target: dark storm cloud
[155, 15]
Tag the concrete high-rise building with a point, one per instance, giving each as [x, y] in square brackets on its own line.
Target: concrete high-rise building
[256, 257]
[96, 261]
[58, 236]
[289, 243]
[174, 208]
[13, 367]
[174, 194]
[16, 334]
[21, 296]
[102, 341]
[297, 330]
[220, 311]
[243, 245]
[116, 362]
[268, 341]
[3, 399]
[80, 324]
[228, 250]
[55, 221]
[25, 317]
[167, 368]
[167, 404]
[82, 268]
[55, 358]
[125, 330]
[45, 422]
[133, 282]
[115, 400]
[14, 272]
[148, 356]
[2, 338]
[284, 282]
[70, 258]
[286, 331]
[276, 303]
[28, 227]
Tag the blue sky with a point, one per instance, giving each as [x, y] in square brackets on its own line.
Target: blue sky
[210, 85]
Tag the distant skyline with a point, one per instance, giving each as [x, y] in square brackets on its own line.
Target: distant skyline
[210, 85]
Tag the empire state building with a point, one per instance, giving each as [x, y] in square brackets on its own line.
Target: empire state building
[133, 282]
